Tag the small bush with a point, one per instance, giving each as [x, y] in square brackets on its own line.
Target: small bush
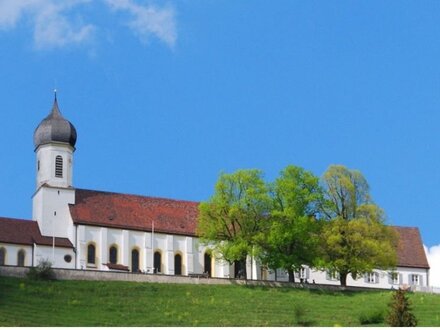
[400, 314]
[371, 317]
[299, 311]
[43, 271]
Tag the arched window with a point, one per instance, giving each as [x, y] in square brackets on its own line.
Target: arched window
[58, 166]
[2, 256]
[91, 254]
[207, 259]
[20, 258]
[239, 269]
[135, 260]
[177, 264]
[157, 262]
[113, 255]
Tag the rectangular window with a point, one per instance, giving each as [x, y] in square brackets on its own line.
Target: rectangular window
[394, 278]
[58, 166]
[415, 279]
[303, 273]
[372, 278]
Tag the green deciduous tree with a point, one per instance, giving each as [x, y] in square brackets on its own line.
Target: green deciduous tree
[291, 240]
[233, 217]
[354, 240]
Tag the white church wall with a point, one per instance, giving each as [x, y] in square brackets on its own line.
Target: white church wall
[11, 257]
[51, 211]
[58, 256]
[46, 155]
[193, 258]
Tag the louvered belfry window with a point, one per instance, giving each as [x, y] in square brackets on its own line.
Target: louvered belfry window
[58, 166]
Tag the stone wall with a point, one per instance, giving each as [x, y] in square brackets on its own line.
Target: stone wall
[92, 275]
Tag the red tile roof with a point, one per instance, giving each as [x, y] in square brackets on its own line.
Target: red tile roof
[117, 267]
[170, 216]
[410, 251]
[27, 232]
[134, 212]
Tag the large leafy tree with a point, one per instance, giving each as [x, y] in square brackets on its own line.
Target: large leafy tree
[236, 213]
[355, 239]
[292, 237]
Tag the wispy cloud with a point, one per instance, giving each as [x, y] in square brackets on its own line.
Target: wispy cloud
[433, 254]
[49, 20]
[59, 23]
[148, 20]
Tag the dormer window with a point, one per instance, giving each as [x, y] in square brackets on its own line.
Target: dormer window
[58, 166]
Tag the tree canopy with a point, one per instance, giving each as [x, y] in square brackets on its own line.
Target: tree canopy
[354, 240]
[332, 225]
[237, 212]
[291, 238]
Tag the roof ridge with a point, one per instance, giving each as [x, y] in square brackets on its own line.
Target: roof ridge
[17, 219]
[405, 227]
[137, 195]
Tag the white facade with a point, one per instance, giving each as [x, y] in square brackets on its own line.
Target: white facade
[54, 165]
[51, 211]
[378, 278]
[11, 254]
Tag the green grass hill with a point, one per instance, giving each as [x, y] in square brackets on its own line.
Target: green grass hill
[90, 303]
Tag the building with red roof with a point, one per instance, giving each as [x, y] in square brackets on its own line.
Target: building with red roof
[86, 229]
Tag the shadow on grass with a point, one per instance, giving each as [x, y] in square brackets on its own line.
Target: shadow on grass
[316, 290]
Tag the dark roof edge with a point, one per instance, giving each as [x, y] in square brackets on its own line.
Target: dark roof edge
[97, 224]
[137, 195]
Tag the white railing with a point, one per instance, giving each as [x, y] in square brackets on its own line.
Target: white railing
[427, 289]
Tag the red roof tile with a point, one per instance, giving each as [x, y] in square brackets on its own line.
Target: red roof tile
[117, 267]
[410, 252]
[27, 232]
[170, 216]
[134, 212]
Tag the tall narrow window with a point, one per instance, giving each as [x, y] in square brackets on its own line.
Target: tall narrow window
[157, 262]
[91, 254]
[207, 260]
[134, 260]
[302, 273]
[20, 258]
[2, 256]
[239, 267]
[113, 255]
[178, 264]
[59, 166]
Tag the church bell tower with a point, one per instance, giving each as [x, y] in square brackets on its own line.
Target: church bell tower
[54, 141]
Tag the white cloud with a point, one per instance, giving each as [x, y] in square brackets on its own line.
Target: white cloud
[149, 20]
[433, 254]
[49, 18]
[57, 23]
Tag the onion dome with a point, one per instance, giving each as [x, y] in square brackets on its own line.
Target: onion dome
[55, 128]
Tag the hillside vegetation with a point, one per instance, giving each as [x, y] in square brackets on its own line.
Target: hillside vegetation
[90, 303]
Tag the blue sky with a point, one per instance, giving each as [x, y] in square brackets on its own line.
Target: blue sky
[166, 95]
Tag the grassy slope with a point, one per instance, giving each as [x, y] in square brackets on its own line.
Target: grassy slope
[82, 303]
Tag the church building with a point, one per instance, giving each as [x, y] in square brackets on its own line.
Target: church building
[94, 230]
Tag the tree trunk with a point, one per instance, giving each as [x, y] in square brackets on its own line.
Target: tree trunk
[291, 275]
[343, 278]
